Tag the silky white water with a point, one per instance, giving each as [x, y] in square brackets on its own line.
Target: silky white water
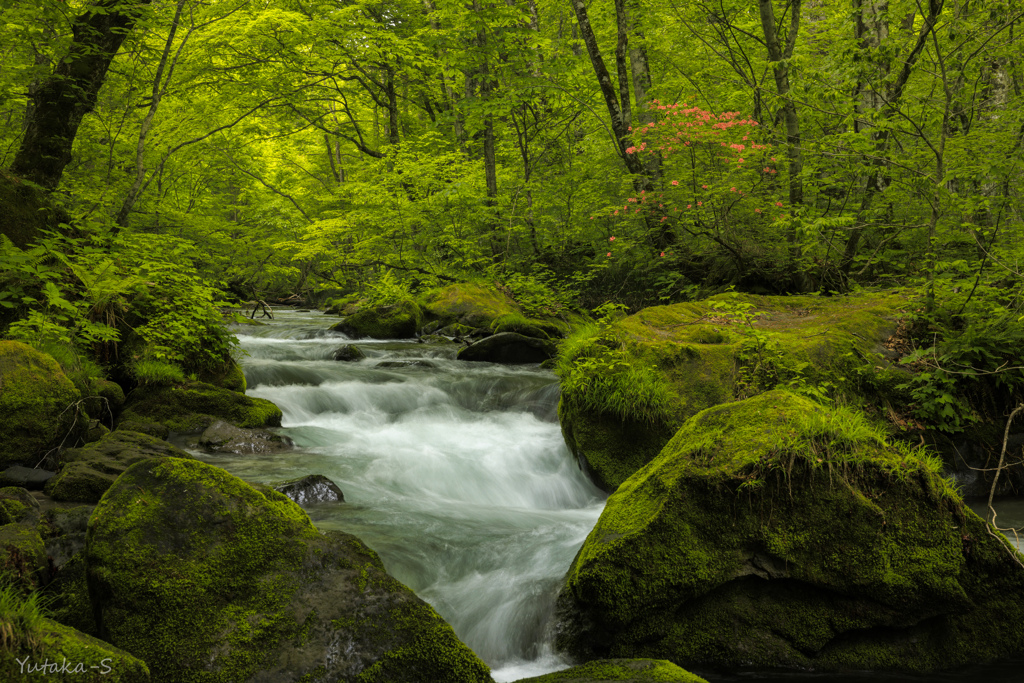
[456, 474]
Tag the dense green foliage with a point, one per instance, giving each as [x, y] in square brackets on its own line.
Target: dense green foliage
[383, 148]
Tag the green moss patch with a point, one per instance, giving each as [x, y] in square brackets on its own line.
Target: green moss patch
[194, 406]
[666, 363]
[64, 654]
[394, 321]
[37, 403]
[773, 532]
[207, 578]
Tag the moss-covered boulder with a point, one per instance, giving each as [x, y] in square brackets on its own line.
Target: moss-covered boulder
[773, 532]
[89, 471]
[620, 671]
[468, 304]
[23, 554]
[105, 402]
[395, 321]
[207, 578]
[193, 406]
[627, 386]
[51, 651]
[229, 375]
[36, 402]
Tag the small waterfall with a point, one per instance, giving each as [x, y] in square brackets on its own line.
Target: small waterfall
[455, 473]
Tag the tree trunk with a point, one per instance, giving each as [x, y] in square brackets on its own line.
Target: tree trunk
[779, 57]
[154, 103]
[70, 93]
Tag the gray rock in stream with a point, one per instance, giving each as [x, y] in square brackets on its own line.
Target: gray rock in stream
[509, 347]
[221, 437]
[348, 352]
[313, 488]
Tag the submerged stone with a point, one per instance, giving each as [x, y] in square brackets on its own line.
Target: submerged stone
[221, 437]
[508, 347]
[619, 671]
[312, 488]
[348, 352]
[773, 532]
[205, 577]
[406, 363]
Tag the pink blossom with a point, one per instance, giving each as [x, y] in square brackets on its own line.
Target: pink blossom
[675, 182]
[662, 253]
[609, 253]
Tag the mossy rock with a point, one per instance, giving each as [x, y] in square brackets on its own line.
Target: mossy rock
[665, 364]
[106, 400]
[467, 303]
[773, 532]
[207, 578]
[620, 671]
[229, 375]
[192, 407]
[23, 554]
[89, 471]
[65, 654]
[396, 321]
[18, 504]
[37, 403]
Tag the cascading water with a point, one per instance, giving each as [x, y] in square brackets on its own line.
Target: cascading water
[457, 475]
[454, 472]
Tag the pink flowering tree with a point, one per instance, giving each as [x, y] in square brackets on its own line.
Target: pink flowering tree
[720, 193]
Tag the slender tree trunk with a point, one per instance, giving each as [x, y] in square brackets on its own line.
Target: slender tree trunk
[620, 125]
[147, 123]
[65, 98]
[779, 56]
[641, 71]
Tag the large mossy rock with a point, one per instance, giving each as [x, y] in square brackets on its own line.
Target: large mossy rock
[89, 471]
[397, 321]
[467, 304]
[773, 532]
[60, 653]
[194, 406]
[628, 386]
[36, 402]
[207, 578]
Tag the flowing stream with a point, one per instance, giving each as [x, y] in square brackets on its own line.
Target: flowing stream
[457, 475]
[454, 472]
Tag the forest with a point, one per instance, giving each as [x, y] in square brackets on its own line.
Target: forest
[680, 200]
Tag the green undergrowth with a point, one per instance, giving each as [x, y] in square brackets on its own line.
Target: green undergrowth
[22, 617]
[598, 373]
